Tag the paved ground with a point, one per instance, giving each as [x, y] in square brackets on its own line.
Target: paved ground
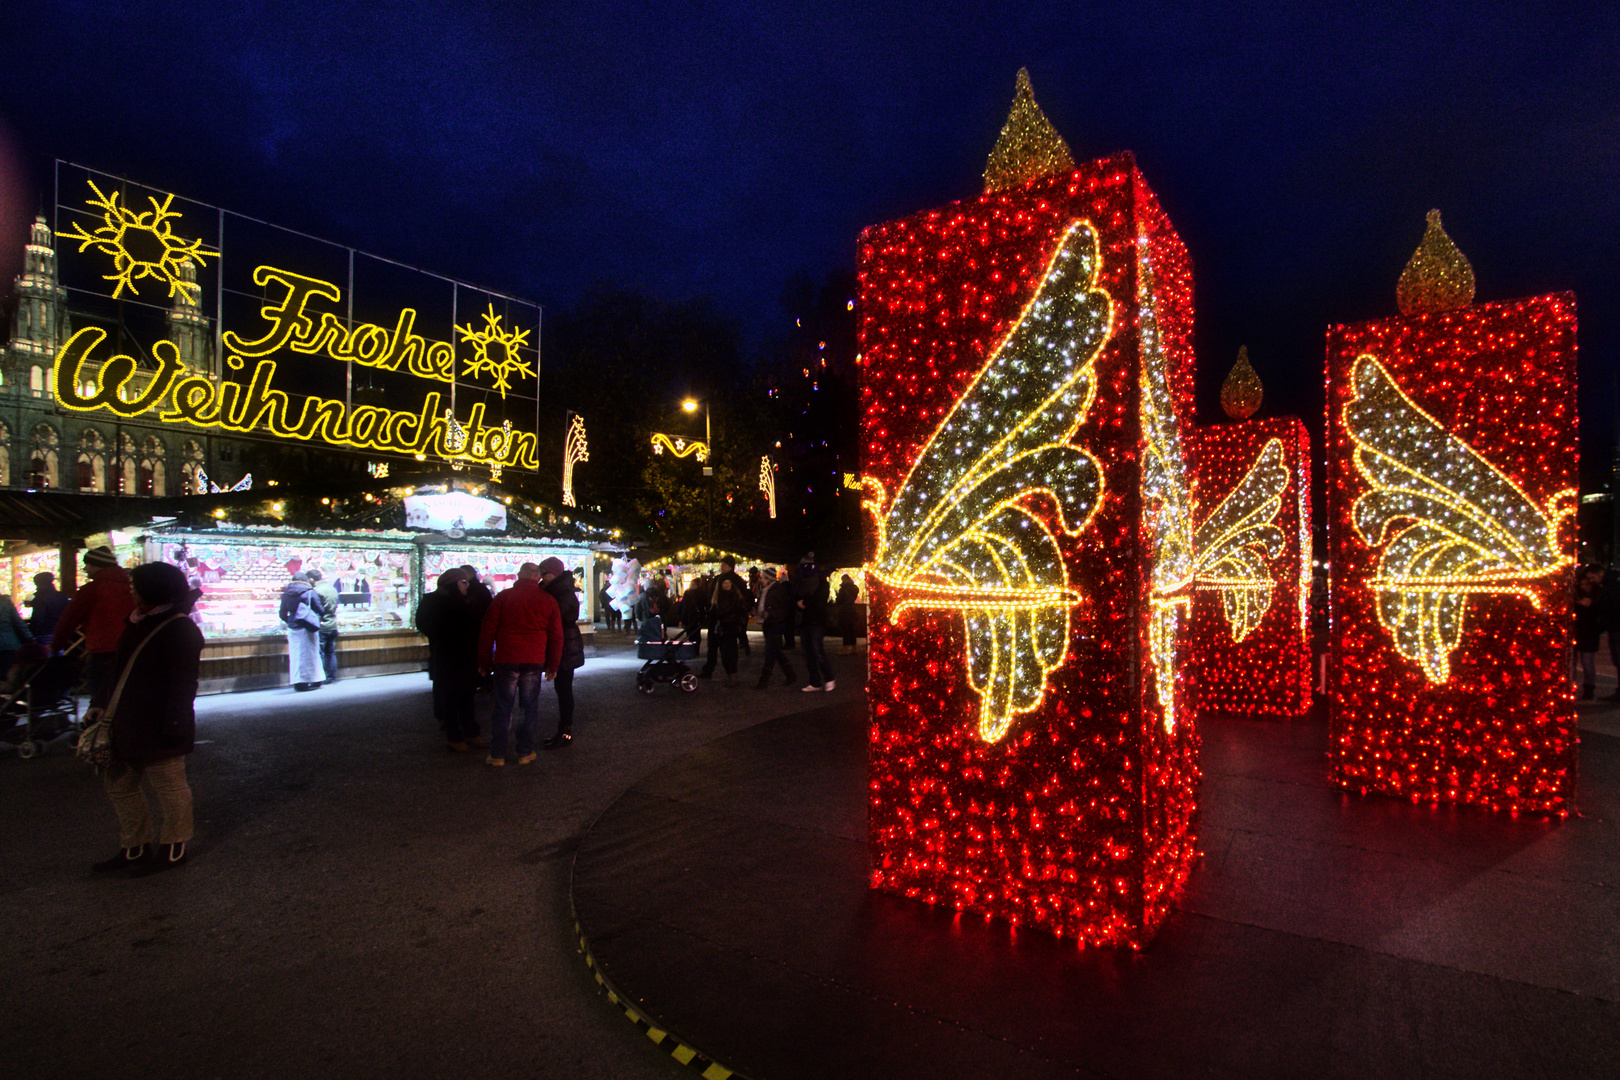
[360, 902]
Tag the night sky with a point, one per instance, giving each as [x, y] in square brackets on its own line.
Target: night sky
[716, 149]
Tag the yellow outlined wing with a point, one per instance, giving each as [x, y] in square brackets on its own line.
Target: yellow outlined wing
[1238, 541]
[1448, 523]
[959, 535]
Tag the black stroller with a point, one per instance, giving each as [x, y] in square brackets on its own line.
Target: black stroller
[664, 656]
[40, 702]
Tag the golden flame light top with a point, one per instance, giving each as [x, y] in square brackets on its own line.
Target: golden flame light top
[1028, 147]
[1241, 392]
[1438, 277]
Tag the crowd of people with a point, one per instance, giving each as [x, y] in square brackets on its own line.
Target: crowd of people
[514, 643]
[795, 602]
[141, 646]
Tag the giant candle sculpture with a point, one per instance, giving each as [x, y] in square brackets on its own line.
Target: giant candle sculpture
[1027, 373]
[1451, 482]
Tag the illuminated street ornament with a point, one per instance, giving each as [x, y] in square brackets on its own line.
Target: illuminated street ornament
[142, 245]
[1448, 525]
[767, 482]
[1239, 540]
[1451, 454]
[205, 486]
[958, 535]
[496, 351]
[679, 447]
[575, 450]
[1026, 376]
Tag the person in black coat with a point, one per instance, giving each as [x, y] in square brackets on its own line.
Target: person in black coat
[150, 694]
[49, 603]
[775, 612]
[446, 617]
[1591, 607]
[559, 584]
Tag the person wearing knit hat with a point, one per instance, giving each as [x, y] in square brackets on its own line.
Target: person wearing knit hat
[100, 608]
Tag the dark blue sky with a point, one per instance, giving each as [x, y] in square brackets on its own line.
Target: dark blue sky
[714, 149]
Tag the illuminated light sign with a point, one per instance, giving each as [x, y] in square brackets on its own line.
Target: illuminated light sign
[575, 451]
[304, 315]
[128, 236]
[679, 447]
[1451, 458]
[1027, 373]
[767, 482]
[1249, 635]
[454, 510]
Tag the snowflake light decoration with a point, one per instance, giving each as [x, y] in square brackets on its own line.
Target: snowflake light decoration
[141, 245]
[495, 351]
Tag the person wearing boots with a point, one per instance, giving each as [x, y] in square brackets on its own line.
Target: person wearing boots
[150, 694]
[729, 603]
[775, 612]
[558, 583]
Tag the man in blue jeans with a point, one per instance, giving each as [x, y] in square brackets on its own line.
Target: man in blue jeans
[521, 641]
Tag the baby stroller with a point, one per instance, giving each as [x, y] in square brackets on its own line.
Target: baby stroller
[663, 657]
[39, 703]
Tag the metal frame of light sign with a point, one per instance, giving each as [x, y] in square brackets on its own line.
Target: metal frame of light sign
[1451, 458]
[276, 299]
[1027, 375]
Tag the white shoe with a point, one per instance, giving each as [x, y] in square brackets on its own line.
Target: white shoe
[809, 689]
[830, 684]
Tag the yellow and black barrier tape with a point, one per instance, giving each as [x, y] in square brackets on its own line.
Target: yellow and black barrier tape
[704, 1066]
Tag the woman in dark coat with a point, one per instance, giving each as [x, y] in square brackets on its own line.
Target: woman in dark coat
[150, 695]
[448, 617]
[559, 583]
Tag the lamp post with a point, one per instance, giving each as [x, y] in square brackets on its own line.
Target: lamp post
[691, 405]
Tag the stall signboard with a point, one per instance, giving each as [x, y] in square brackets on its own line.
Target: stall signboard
[454, 510]
[497, 566]
[189, 314]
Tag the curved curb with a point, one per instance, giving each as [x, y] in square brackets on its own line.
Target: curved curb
[703, 1065]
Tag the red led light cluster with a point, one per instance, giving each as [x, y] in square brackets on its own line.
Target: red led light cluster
[1269, 670]
[1462, 425]
[1079, 820]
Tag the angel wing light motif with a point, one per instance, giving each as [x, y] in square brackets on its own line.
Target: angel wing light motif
[1448, 523]
[1167, 516]
[959, 534]
[1238, 541]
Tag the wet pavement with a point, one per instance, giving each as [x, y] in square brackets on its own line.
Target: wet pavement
[359, 901]
[363, 903]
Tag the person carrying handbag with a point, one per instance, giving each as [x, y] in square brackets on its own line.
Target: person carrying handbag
[148, 713]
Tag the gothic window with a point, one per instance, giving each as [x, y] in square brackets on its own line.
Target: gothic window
[36, 381]
[122, 478]
[149, 470]
[42, 461]
[92, 461]
[191, 464]
[5, 455]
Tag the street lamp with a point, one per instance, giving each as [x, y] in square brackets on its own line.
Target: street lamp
[690, 405]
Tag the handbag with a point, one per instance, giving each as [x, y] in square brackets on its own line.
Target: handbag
[94, 747]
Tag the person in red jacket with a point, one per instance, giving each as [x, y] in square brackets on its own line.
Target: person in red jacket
[521, 641]
[100, 607]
